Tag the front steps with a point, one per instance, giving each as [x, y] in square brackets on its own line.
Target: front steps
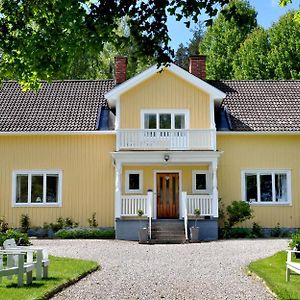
[167, 232]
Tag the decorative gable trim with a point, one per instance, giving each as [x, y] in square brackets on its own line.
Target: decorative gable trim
[113, 95]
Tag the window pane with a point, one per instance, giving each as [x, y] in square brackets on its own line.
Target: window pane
[266, 188]
[150, 121]
[22, 189]
[179, 121]
[52, 189]
[281, 187]
[134, 181]
[251, 187]
[165, 121]
[200, 181]
[37, 189]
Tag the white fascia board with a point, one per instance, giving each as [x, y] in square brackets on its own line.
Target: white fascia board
[17, 133]
[115, 93]
[258, 132]
[157, 157]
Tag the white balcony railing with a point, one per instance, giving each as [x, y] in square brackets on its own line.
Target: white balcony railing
[170, 139]
[202, 202]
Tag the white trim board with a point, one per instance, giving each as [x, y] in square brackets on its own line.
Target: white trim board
[115, 93]
[258, 132]
[108, 132]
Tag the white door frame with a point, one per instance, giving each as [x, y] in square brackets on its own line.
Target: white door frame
[155, 172]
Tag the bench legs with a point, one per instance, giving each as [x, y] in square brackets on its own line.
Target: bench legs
[287, 274]
[45, 272]
[29, 277]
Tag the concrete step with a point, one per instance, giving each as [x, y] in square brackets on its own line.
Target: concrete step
[167, 232]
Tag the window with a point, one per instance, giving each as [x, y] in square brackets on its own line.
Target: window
[37, 188]
[165, 119]
[267, 187]
[134, 182]
[200, 182]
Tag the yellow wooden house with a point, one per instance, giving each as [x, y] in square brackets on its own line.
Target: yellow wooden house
[165, 142]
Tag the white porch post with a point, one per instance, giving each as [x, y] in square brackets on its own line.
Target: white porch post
[215, 189]
[118, 188]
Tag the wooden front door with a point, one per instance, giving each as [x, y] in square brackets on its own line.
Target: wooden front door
[167, 195]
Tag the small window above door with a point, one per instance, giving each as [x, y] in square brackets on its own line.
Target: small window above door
[165, 119]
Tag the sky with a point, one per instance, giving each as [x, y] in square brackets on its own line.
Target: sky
[268, 11]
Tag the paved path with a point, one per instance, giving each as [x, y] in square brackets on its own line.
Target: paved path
[214, 270]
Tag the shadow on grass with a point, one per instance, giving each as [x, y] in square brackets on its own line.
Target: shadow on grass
[34, 283]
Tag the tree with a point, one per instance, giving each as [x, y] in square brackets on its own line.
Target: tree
[192, 48]
[251, 61]
[224, 37]
[297, 13]
[284, 56]
[42, 39]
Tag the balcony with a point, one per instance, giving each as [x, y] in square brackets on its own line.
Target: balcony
[166, 139]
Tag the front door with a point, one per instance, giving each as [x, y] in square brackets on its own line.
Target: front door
[167, 195]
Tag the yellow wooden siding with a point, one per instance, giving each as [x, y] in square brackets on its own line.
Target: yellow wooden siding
[164, 91]
[87, 180]
[148, 175]
[260, 152]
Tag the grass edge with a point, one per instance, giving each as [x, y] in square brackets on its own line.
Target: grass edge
[72, 281]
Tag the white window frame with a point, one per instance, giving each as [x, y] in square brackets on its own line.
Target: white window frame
[141, 187]
[195, 190]
[173, 112]
[272, 172]
[31, 173]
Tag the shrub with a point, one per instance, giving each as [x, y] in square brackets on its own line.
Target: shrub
[63, 223]
[256, 231]
[20, 238]
[295, 240]
[238, 211]
[3, 225]
[85, 233]
[93, 221]
[234, 233]
[276, 231]
[24, 222]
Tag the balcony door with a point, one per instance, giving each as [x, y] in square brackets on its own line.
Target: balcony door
[166, 129]
[167, 191]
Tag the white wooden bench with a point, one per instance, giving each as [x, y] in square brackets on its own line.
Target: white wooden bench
[42, 261]
[15, 264]
[290, 265]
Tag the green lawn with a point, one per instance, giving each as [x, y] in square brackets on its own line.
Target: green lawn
[272, 271]
[62, 272]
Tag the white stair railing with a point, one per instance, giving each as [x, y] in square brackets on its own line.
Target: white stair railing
[185, 214]
[150, 200]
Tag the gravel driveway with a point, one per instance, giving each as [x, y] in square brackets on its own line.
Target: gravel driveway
[215, 270]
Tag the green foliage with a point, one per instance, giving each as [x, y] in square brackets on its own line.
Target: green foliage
[41, 40]
[20, 238]
[272, 271]
[3, 225]
[93, 221]
[235, 233]
[238, 212]
[62, 273]
[85, 233]
[284, 56]
[250, 61]
[63, 223]
[140, 212]
[24, 222]
[276, 231]
[256, 231]
[295, 240]
[223, 39]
